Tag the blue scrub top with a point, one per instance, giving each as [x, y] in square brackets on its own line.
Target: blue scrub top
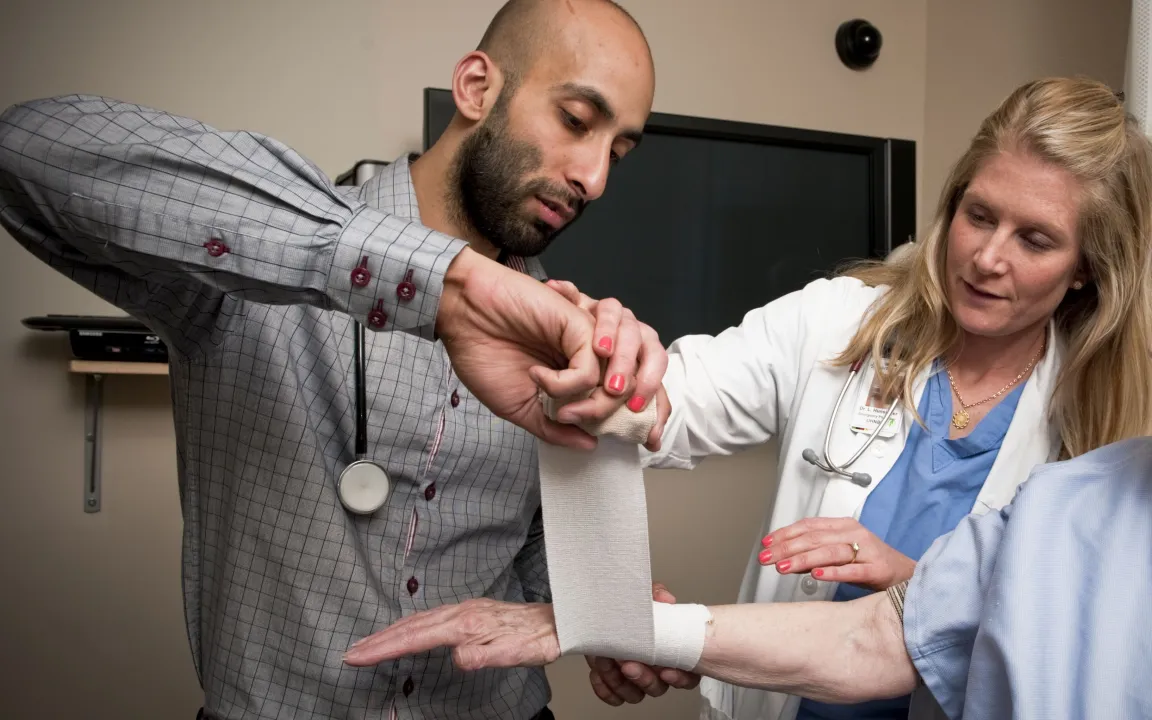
[926, 494]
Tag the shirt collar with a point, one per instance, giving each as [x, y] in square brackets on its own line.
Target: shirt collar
[390, 189]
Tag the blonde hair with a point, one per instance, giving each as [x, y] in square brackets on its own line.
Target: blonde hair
[1103, 392]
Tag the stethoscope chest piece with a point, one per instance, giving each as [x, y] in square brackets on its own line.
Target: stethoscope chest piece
[364, 487]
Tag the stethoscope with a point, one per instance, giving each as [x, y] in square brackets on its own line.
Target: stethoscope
[363, 485]
[859, 478]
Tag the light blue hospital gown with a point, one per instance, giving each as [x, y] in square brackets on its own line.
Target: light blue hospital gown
[1044, 609]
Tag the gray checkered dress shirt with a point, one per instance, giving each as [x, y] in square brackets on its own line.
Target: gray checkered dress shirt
[250, 264]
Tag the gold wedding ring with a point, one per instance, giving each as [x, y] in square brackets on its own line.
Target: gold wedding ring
[855, 552]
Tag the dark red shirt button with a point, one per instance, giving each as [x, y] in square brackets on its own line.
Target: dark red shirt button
[455, 398]
[216, 247]
[360, 274]
[413, 585]
[409, 686]
[430, 492]
[378, 317]
[406, 290]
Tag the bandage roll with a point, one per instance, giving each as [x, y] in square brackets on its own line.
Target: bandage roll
[624, 424]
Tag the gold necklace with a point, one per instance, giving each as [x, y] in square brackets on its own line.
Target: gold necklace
[960, 418]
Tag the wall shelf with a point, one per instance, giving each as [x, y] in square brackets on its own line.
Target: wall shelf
[99, 367]
[94, 372]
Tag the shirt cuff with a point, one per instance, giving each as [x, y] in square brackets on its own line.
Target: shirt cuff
[388, 273]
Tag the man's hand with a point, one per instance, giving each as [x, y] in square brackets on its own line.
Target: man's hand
[824, 547]
[508, 335]
[482, 633]
[617, 682]
[636, 362]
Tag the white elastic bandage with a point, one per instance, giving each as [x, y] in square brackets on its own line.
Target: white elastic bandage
[680, 631]
[596, 538]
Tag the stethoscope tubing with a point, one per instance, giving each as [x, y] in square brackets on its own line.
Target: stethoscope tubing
[359, 359]
[363, 475]
[827, 465]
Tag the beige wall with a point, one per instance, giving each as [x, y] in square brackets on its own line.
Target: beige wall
[1019, 41]
[83, 638]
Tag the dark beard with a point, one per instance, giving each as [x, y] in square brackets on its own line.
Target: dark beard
[491, 196]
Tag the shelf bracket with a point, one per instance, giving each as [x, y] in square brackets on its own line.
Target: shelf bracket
[94, 388]
[94, 373]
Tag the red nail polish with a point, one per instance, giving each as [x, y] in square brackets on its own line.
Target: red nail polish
[818, 573]
[636, 404]
[766, 556]
[616, 383]
[783, 567]
[606, 343]
[767, 541]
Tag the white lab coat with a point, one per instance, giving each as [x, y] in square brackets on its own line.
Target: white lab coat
[768, 377]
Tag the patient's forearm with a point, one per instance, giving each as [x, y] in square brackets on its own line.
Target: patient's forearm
[833, 652]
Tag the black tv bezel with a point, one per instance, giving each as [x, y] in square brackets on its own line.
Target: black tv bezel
[891, 161]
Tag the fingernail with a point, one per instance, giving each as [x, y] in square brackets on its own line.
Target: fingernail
[818, 573]
[616, 383]
[765, 557]
[636, 404]
[631, 672]
[767, 541]
[783, 567]
[606, 343]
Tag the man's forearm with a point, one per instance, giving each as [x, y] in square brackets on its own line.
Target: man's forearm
[114, 193]
[834, 652]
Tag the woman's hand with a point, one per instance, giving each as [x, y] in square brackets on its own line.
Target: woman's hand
[482, 633]
[617, 682]
[509, 337]
[636, 362]
[824, 547]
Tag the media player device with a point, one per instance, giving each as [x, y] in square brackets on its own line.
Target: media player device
[98, 337]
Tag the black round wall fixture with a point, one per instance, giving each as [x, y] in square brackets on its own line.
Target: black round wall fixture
[858, 43]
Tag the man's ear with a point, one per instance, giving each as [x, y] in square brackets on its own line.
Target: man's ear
[476, 84]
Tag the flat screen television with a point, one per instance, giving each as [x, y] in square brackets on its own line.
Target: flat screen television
[708, 219]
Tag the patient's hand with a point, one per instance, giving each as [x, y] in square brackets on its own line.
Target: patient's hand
[482, 633]
[617, 682]
[636, 361]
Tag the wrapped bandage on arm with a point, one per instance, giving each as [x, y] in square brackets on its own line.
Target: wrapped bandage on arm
[680, 631]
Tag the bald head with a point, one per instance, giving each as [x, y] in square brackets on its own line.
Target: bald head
[522, 30]
[556, 94]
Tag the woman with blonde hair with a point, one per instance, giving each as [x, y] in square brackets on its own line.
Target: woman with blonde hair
[1015, 333]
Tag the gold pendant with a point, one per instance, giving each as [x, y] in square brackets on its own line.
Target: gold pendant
[960, 419]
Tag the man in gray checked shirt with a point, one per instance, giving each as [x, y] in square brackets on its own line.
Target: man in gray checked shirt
[251, 266]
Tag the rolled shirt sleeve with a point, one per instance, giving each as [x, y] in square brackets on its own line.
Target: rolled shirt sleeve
[1045, 616]
[167, 218]
[945, 602]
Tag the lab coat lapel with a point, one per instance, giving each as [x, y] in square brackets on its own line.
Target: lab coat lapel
[1031, 438]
